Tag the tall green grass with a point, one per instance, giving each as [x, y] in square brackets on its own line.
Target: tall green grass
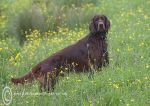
[125, 82]
[24, 15]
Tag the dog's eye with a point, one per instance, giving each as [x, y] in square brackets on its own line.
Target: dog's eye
[97, 19]
[102, 18]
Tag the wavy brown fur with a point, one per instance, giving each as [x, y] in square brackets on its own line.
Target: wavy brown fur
[28, 77]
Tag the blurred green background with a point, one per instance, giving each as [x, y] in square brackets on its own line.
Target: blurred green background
[32, 30]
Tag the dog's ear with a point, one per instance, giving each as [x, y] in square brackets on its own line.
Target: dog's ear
[92, 27]
[107, 23]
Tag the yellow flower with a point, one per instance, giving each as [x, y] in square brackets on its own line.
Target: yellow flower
[17, 56]
[141, 44]
[111, 59]
[67, 78]
[79, 80]
[1, 49]
[138, 80]
[61, 72]
[118, 49]
[116, 86]
[140, 10]
[91, 104]
[141, 57]
[145, 17]
[130, 49]
[130, 37]
[48, 73]
[74, 91]
[147, 66]
[11, 59]
[132, 100]
[66, 68]
[146, 78]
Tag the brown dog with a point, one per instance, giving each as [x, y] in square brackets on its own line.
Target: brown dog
[90, 51]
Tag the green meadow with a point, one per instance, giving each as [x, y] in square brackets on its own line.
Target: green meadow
[32, 30]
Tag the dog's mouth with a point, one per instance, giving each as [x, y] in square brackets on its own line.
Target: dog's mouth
[100, 26]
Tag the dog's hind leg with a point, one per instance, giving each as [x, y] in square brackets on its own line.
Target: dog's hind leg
[43, 82]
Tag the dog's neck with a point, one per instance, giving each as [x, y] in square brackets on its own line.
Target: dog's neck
[99, 35]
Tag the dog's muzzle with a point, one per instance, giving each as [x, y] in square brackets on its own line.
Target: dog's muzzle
[101, 26]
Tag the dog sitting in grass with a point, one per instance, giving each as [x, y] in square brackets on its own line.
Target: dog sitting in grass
[90, 51]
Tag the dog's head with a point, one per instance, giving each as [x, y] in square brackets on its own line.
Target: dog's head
[99, 23]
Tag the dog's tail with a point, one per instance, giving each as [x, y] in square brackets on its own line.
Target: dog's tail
[28, 77]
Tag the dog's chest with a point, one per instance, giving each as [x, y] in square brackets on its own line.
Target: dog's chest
[96, 49]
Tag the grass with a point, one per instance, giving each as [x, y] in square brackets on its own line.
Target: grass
[125, 82]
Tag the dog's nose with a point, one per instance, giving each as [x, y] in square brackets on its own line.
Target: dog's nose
[101, 25]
